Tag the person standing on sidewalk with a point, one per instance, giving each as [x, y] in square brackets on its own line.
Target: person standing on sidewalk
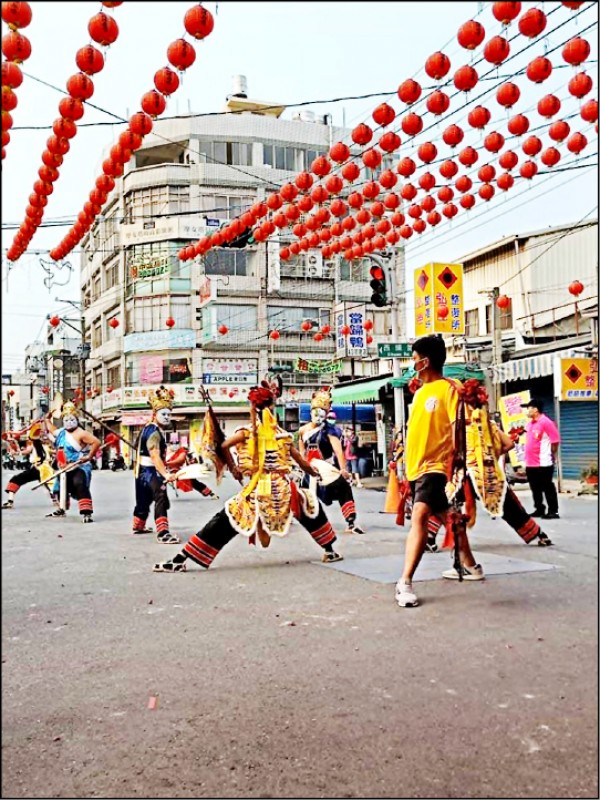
[429, 453]
[351, 456]
[541, 451]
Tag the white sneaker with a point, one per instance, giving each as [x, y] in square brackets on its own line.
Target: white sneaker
[474, 573]
[405, 597]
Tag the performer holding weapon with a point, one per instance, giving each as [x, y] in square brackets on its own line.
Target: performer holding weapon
[40, 468]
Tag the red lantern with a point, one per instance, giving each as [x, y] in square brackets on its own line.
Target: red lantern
[494, 142]
[576, 288]
[427, 152]
[16, 47]
[199, 22]
[427, 181]
[369, 339]
[518, 125]
[539, 69]
[548, 106]
[505, 181]
[141, 123]
[274, 335]
[223, 329]
[577, 142]
[438, 102]
[412, 124]
[89, 60]
[409, 91]
[109, 389]
[372, 158]
[350, 172]
[306, 325]
[580, 85]
[453, 135]
[325, 330]
[503, 301]
[468, 156]
[389, 142]
[448, 169]
[471, 34]
[181, 54]
[388, 179]
[479, 117]
[576, 51]
[321, 166]
[506, 12]
[450, 210]
[103, 29]
[318, 337]
[153, 103]
[112, 169]
[414, 211]
[166, 81]
[528, 170]
[437, 66]
[486, 192]
[465, 78]
[589, 111]
[442, 312]
[508, 160]
[532, 23]
[64, 128]
[16, 15]
[9, 99]
[406, 167]
[445, 194]
[559, 130]
[408, 192]
[54, 321]
[362, 134]
[496, 50]
[532, 146]
[550, 157]
[339, 153]
[384, 115]
[80, 86]
[114, 323]
[428, 203]
[345, 330]
[406, 231]
[508, 94]
[486, 173]
[169, 322]
[11, 75]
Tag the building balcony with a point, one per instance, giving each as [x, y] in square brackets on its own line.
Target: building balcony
[159, 175]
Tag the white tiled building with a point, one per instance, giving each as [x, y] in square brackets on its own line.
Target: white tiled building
[190, 175]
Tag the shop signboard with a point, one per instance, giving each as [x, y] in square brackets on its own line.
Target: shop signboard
[439, 306]
[576, 379]
[515, 418]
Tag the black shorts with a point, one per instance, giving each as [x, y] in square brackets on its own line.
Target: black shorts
[431, 490]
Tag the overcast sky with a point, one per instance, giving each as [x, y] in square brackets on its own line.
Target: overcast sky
[290, 53]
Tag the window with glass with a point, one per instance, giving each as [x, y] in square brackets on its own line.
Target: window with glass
[237, 318]
[226, 261]
[96, 286]
[290, 318]
[225, 207]
[113, 374]
[356, 270]
[97, 333]
[112, 274]
[151, 313]
[159, 367]
[472, 322]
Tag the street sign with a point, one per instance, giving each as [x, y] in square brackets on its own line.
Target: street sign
[394, 350]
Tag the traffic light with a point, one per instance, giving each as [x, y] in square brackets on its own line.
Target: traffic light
[241, 241]
[378, 284]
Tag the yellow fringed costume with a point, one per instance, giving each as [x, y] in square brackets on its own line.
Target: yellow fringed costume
[483, 450]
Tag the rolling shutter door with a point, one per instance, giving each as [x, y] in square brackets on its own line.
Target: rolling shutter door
[579, 437]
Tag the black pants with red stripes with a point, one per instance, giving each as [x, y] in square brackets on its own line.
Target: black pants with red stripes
[338, 490]
[204, 490]
[78, 487]
[204, 546]
[150, 488]
[21, 478]
[512, 512]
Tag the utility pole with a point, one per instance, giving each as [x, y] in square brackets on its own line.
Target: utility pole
[496, 344]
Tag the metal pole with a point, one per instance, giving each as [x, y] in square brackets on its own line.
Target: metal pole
[496, 345]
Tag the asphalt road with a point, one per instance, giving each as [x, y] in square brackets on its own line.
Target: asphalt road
[272, 675]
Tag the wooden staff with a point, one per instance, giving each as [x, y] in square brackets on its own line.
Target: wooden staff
[91, 416]
[74, 464]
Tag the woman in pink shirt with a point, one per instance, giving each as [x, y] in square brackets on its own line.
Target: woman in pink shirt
[541, 450]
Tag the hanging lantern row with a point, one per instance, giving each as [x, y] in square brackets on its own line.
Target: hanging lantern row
[16, 48]
[199, 23]
[89, 60]
[437, 67]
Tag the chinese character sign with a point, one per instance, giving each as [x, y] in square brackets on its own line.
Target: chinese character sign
[423, 301]
[353, 344]
[448, 311]
[579, 379]
[514, 418]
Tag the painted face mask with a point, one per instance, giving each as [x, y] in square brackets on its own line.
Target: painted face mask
[70, 423]
[318, 415]
[163, 417]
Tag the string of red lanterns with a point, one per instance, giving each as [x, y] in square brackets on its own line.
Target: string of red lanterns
[16, 48]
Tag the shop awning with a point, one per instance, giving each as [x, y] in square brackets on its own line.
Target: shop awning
[359, 392]
[461, 372]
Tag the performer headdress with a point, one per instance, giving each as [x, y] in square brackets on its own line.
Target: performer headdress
[161, 398]
[321, 399]
[69, 409]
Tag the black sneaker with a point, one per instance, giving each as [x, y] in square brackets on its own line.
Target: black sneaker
[554, 515]
[543, 540]
[538, 514]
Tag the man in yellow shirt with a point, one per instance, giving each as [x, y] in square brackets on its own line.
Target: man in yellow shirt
[429, 451]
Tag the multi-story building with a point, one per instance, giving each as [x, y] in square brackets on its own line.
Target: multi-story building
[190, 176]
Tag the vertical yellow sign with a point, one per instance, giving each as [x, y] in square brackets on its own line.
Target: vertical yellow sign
[514, 419]
[439, 306]
[448, 305]
[195, 435]
[423, 301]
